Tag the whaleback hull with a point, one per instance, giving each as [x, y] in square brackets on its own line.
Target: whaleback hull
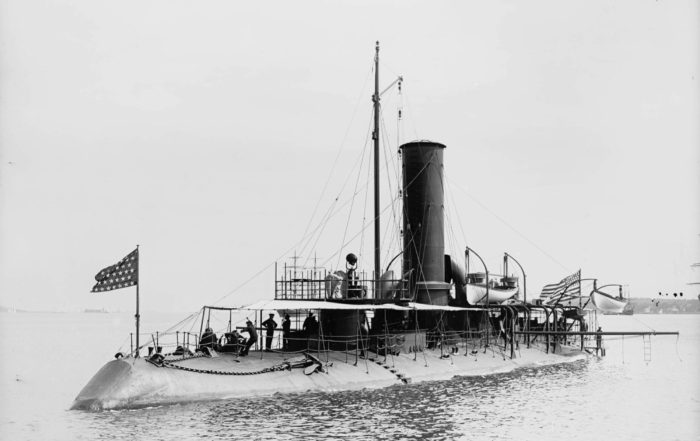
[135, 383]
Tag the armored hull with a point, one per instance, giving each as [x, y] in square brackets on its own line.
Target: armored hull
[135, 382]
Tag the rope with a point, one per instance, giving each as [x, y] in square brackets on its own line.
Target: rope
[642, 323]
[453, 206]
[340, 150]
[622, 346]
[387, 238]
[413, 121]
[298, 243]
[367, 225]
[368, 179]
[355, 191]
[510, 226]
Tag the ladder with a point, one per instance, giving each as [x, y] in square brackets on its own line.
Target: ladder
[647, 348]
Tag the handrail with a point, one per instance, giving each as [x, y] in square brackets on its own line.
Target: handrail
[466, 258]
[524, 276]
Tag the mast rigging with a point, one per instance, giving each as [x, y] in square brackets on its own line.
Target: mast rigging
[375, 138]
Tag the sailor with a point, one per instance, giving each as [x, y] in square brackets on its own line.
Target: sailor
[270, 325]
[310, 326]
[234, 337]
[599, 341]
[233, 342]
[502, 321]
[286, 330]
[208, 339]
[253, 337]
[584, 325]
[354, 290]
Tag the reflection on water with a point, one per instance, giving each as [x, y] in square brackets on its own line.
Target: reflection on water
[575, 399]
[618, 397]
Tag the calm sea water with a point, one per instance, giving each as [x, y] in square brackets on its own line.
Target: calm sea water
[48, 358]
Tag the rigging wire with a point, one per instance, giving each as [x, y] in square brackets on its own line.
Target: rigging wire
[364, 209]
[324, 221]
[448, 220]
[364, 227]
[410, 114]
[340, 149]
[454, 208]
[398, 116]
[290, 249]
[678, 337]
[511, 227]
[388, 239]
[642, 323]
[331, 213]
[452, 239]
[357, 181]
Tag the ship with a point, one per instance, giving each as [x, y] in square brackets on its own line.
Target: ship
[423, 316]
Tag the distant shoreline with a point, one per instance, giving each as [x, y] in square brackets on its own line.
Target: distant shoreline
[55, 311]
[664, 305]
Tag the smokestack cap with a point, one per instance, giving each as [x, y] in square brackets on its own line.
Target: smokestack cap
[422, 143]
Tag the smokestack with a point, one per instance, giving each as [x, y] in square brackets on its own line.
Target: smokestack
[423, 222]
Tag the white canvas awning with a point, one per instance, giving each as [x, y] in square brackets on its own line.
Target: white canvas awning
[275, 305]
[318, 304]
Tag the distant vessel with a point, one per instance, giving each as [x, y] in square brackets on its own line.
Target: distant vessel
[101, 310]
[429, 322]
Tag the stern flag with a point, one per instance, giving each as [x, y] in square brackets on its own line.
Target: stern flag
[555, 292]
[120, 275]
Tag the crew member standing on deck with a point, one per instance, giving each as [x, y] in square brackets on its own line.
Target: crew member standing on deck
[253, 337]
[286, 330]
[270, 326]
[310, 326]
[599, 341]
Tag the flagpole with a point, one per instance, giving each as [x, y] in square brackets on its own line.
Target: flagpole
[138, 316]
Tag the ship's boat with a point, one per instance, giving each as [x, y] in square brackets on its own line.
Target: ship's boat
[498, 290]
[608, 304]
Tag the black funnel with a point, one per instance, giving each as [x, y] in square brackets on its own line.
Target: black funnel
[423, 222]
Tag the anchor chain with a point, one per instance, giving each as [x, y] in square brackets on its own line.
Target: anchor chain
[276, 368]
[161, 362]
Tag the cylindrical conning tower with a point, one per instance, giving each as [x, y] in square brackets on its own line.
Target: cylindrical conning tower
[423, 222]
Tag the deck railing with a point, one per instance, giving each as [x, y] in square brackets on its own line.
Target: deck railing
[315, 284]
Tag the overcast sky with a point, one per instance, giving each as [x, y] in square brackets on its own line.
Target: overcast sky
[206, 131]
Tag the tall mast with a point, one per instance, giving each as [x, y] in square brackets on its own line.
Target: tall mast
[375, 138]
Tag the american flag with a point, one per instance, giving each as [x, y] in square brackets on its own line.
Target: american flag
[120, 275]
[567, 289]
